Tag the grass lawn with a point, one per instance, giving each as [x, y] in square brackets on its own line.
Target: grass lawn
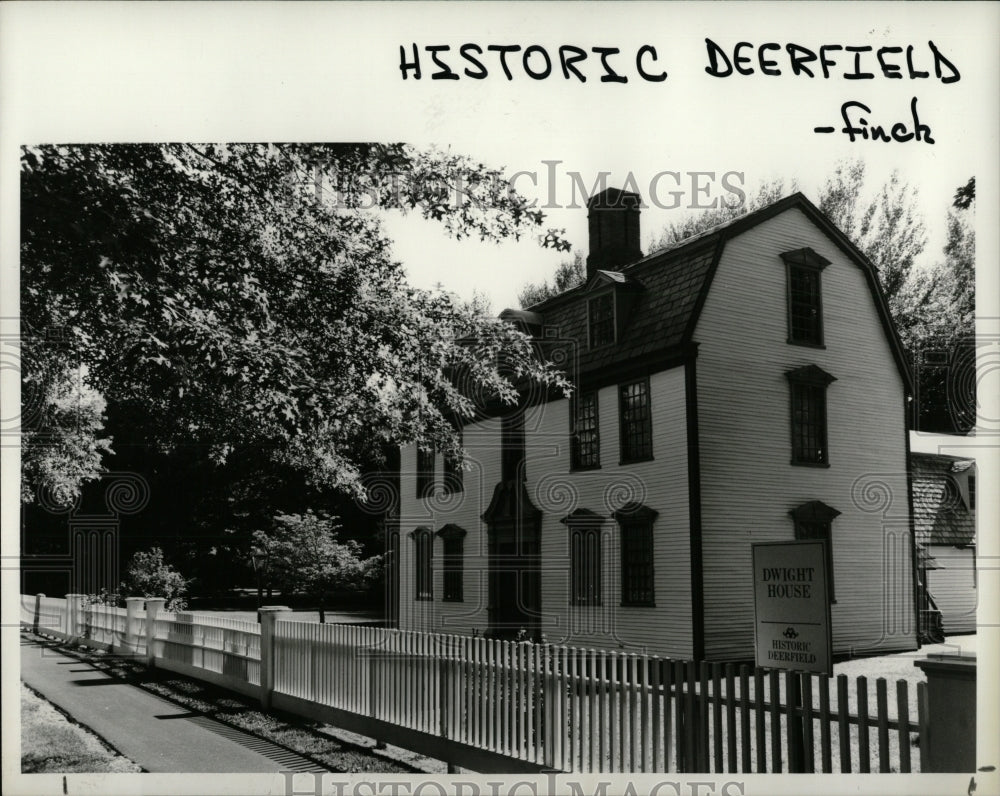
[51, 743]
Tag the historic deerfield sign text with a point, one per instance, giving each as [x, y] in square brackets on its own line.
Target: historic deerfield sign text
[791, 606]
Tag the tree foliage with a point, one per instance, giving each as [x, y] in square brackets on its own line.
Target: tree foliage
[569, 274]
[887, 228]
[678, 231]
[245, 296]
[61, 444]
[149, 575]
[303, 555]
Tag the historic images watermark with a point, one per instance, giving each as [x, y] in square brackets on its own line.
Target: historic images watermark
[314, 784]
[542, 187]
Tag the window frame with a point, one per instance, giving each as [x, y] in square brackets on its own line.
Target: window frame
[813, 521]
[609, 295]
[575, 462]
[805, 261]
[643, 456]
[811, 383]
[630, 518]
[452, 563]
[423, 564]
[586, 558]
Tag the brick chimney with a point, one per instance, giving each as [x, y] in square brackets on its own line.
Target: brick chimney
[613, 218]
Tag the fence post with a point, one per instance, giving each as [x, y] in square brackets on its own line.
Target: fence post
[549, 699]
[269, 614]
[793, 698]
[153, 606]
[38, 611]
[74, 604]
[132, 607]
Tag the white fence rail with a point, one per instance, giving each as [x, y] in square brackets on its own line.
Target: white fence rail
[504, 706]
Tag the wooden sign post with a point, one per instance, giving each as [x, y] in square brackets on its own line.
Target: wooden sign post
[792, 624]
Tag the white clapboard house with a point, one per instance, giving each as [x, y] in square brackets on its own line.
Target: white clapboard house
[745, 386]
[944, 512]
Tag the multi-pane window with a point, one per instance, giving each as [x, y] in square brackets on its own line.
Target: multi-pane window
[972, 492]
[636, 423]
[453, 541]
[585, 564]
[425, 472]
[813, 521]
[586, 444]
[512, 446]
[453, 478]
[423, 566]
[805, 299]
[804, 306]
[808, 386]
[601, 320]
[637, 562]
[809, 424]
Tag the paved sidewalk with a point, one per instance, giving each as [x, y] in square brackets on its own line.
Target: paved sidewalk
[157, 734]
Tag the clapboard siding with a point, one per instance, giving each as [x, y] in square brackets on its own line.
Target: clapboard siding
[482, 443]
[661, 484]
[953, 586]
[748, 485]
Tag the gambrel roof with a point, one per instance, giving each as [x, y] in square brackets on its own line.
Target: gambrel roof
[676, 281]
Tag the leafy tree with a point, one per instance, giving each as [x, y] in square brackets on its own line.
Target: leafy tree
[149, 575]
[569, 274]
[61, 446]
[966, 194]
[888, 228]
[679, 231]
[244, 297]
[303, 555]
[940, 328]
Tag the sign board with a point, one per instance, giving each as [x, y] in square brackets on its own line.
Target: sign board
[791, 606]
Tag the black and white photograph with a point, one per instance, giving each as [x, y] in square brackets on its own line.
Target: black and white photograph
[500, 398]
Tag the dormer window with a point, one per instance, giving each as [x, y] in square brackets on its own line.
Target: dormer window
[805, 299]
[601, 320]
[612, 296]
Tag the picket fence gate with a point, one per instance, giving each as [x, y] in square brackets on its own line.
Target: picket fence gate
[494, 705]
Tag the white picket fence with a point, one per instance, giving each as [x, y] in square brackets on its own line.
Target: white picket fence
[495, 705]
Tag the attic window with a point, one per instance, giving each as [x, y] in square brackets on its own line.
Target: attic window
[805, 299]
[613, 295]
[601, 320]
